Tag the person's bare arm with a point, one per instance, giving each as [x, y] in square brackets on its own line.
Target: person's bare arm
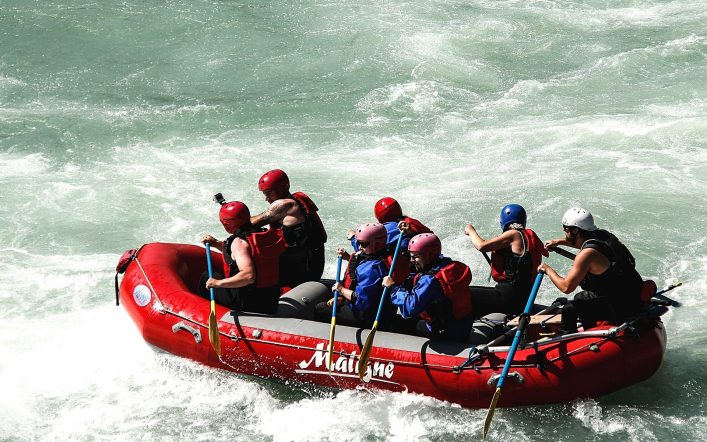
[580, 268]
[277, 211]
[558, 242]
[503, 240]
[246, 268]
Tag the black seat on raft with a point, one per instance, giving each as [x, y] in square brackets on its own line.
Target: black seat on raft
[300, 301]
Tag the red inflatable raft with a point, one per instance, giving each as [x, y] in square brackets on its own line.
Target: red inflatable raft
[158, 293]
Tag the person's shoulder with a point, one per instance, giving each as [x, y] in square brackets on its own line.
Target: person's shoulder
[240, 243]
[588, 254]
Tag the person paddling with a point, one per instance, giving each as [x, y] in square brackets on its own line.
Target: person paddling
[439, 295]
[604, 268]
[296, 215]
[250, 257]
[389, 213]
[361, 289]
[515, 256]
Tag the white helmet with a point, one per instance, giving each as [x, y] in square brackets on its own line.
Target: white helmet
[578, 217]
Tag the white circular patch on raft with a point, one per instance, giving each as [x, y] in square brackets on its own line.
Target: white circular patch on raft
[142, 295]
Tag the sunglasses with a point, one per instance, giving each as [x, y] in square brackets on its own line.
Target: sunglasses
[567, 228]
[363, 244]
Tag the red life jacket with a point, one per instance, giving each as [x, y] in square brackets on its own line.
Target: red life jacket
[454, 278]
[403, 267]
[265, 248]
[505, 265]
[310, 212]
[648, 291]
[416, 226]
[401, 272]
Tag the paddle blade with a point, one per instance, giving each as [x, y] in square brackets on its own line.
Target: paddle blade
[213, 330]
[366, 353]
[492, 408]
[330, 348]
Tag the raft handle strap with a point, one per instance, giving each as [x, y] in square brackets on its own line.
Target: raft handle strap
[186, 327]
[514, 374]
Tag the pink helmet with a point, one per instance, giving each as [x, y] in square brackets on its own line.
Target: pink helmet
[426, 244]
[234, 215]
[374, 234]
[387, 209]
[274, 179]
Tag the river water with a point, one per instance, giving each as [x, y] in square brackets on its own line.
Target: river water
[120, 119]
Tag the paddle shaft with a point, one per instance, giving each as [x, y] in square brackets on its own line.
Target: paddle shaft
[522, 324]
[366, 350]
[210, 269]
[390, 274]
[330, 347]
[213, 325]
[488, 260]
[336, 293]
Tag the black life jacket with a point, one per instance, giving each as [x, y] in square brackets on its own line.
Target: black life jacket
[310, 232]
[620, 281]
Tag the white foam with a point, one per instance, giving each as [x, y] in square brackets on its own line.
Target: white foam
[15, 165]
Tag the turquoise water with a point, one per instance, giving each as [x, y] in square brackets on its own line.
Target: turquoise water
[119, 120]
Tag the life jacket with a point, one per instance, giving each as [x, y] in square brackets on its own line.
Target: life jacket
[350, 280]
[506, 266]
[311, 231]
[454, 277]
[266, 246]
[416, 226]
[620, 281]
[648, 291]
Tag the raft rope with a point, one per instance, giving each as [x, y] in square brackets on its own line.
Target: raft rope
[161, 308]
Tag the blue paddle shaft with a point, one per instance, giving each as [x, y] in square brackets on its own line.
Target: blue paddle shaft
[338, 279]
[519, 332]
[210, 268]
[390, 274]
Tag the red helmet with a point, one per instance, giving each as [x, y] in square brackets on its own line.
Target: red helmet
[374, 234]
[274, 179]
[426, 244]
[234, 215]
[387, 209]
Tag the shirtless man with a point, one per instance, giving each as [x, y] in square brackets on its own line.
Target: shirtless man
[296, 214]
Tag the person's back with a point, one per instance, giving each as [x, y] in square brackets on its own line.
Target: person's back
[620, 281]
[296, 215]
[515, 256]
[250, 255]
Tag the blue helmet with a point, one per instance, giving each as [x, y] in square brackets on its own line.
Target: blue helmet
[512, 213]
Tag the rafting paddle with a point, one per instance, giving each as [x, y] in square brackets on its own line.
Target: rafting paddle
[522, 324]
[366, 351]
[488, 260]
[330, 348]
[213, 327]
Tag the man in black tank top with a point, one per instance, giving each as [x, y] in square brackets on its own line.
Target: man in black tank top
[604, 268]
